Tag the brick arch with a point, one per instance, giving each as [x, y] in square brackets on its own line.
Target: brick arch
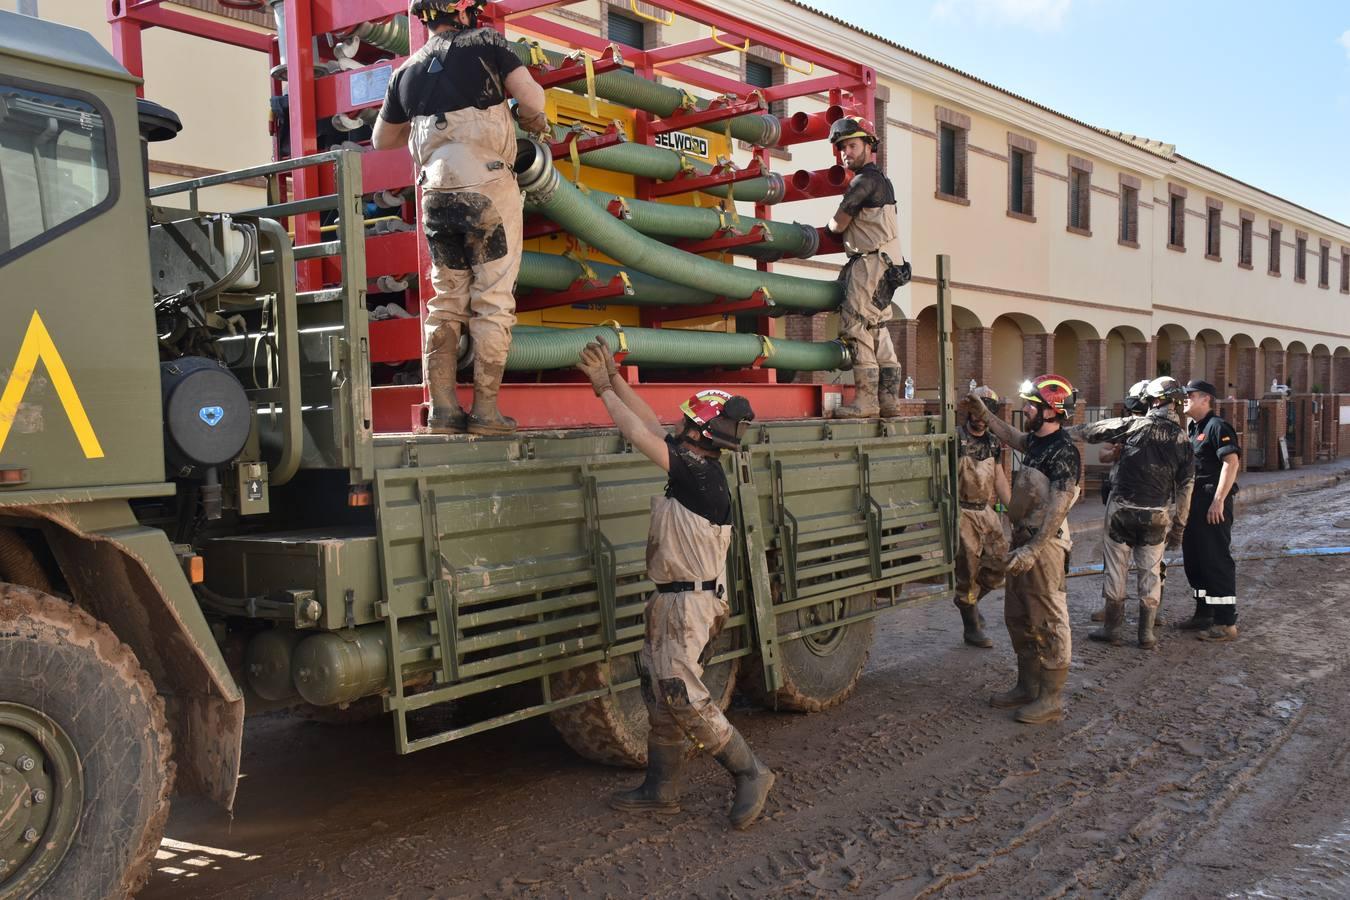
[1020, 348]
[1340, 370]
[916, 343]
[1299, 362]
[1244, 369]
[1211, 358]
[1129, 358]
[1319, 370]
[1080, 356]
[1174, 352]
[1273, 363]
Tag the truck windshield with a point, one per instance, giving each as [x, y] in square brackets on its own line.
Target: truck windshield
[53, 163]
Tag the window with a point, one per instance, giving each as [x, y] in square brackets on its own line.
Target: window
[625, 30]
[953, 132]
[1345, 271]
[762, 74]
[1021, 178]
[1245, 220]
[1176, 218]
[1213, 229]
[1080, 196]
[54, 166]
[1129, 211]
[1324, 265]
[1276, 237]
[1300, 257]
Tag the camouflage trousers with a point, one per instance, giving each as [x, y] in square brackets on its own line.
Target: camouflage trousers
[680, 627]
[981, 554]
[1036, 609]
[474, 236]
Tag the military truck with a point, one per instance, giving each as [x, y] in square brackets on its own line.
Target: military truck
[199, 518]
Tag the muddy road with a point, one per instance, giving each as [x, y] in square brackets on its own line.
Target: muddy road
[1193, 770]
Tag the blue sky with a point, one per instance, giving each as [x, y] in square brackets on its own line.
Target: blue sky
[1259, 91]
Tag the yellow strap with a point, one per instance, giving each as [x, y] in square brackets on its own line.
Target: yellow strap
[537, 55]
[766, 349]
[687, 100]
[578, 257]
[576, 163]
[731, 186]
[592, 106]
[618, 329]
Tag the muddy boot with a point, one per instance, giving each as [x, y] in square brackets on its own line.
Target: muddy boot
[1027, 689]
[753, 780]
[440, 356]
[888, 393]
[1099, 615]
[1113, 631]
[484, 417]
[1049, 706]
[970, 620]
[1147, 619]
[660, 791]
[864, 405]
[1219, 633]
[1202, 619]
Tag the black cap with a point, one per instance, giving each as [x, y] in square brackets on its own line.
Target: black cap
[1201, 386]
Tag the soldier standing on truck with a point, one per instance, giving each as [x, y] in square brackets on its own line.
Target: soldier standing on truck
[866, 224]
[448, 102]
[982, 545]
[1150, 501]
[687, 547]
[1035, 604]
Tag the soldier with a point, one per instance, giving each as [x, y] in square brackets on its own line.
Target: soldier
[1035, 605]
[1150, 501]
[686, 557]
[1207, 544]
[448, 102]
[866, 224]
[982, 546]
[1134, 406]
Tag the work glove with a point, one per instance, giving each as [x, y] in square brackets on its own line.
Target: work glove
[975, 406]
[603, 346]
[595, 364]
[1020, 560]
[537, 125]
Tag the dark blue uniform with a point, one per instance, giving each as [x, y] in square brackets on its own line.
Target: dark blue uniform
[1208, 548]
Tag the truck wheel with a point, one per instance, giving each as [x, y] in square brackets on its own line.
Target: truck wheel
[822, 669]
[612, 729]
[85, 772]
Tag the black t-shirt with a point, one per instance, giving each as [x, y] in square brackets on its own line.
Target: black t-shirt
[1054, 456]
[1213, 440]
[978, 448]
[453, 70]
[698, 483]
[869, 189]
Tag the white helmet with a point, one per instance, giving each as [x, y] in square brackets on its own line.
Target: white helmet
[1165, 388]
[1136, 398]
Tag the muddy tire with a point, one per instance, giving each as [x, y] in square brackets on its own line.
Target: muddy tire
[820, 670]
[613, 729]
[86, 769]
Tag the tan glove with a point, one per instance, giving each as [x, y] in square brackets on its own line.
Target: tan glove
[537, 125]
[595, 364]
[974, 404]
[1020, 560]
[1174, 536]
[609, 354]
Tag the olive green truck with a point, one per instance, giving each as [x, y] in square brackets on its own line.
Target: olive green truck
[198, 520]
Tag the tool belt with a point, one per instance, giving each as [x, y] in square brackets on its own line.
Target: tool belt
[966, 504]
[892, 278]
[679, 587]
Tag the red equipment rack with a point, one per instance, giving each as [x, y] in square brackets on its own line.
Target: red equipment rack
[847, 85]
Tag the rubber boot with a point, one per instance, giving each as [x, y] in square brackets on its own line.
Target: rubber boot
[1219, 633]
[660, 791]
[1202, 619]
[1049, 705]
[1147, 618]
[1099, 615]
[864, 405]
[1028, 686]
[970, 620]
[440, 357]
[753, 780]
[484, 417]
[888, 393]
[1113, 630]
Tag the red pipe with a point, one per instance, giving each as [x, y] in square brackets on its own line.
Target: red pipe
[806, 185]
[802, 127]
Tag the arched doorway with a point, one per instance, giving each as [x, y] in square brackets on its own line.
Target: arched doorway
[1243, 365]
[1019, 343]
[1298, 362]
[1080, 356]
[969, 349]
[1320, 370]
[1341, 370]
[1176, 353]
[1272, 366]
[1126, 359]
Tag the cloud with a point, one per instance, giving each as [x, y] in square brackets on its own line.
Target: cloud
[1344, 41]
[1041, 15]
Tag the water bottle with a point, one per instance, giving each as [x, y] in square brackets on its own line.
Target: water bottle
[1274, 385]
[973, 385]
[909, 387]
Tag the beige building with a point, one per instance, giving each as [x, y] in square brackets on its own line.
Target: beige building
[1102, 256]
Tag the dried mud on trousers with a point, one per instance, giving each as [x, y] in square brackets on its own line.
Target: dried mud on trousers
[1191, 770]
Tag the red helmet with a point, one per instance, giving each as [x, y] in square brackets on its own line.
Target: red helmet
[1050, 392]
[720, 418]
[852, 127]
